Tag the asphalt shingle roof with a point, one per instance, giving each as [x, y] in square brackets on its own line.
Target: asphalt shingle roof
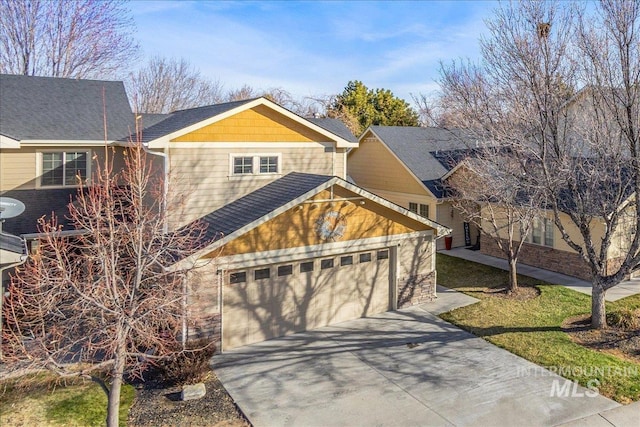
[11, 243]
[420, 149]
[38, 203]
[259, 203]
[334, 126]
[63, 109]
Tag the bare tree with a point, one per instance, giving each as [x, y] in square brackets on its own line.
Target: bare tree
[56, 38]
[109, 295]
[164, 85]
[585, 147]
[490, 191]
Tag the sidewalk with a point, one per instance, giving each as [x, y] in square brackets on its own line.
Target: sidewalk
[624, 289]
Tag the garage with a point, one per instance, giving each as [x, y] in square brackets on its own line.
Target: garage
[274, 300]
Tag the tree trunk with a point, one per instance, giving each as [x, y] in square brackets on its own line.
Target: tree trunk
[598, 310]
[513, 275]
[113, 407]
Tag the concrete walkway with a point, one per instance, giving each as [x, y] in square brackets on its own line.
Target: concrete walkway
[407, 368]
[624, 289]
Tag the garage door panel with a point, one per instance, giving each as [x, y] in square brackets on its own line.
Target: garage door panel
[271, 307]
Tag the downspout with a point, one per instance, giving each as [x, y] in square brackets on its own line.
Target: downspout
[165, 185]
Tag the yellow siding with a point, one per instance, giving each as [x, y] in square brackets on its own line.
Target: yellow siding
[259, 124]
[297, 226]
[403, 199]
[201, 175]
[372, 165]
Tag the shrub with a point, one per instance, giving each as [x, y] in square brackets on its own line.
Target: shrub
[189, 366]
[624, 318]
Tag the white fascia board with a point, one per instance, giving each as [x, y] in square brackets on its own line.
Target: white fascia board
[7, 142]
[439, 229]
[340, 143]
[254, 259]
[400, 161]
[66, 143]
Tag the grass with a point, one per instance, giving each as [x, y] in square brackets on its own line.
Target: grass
[531, 328]
[43, 401]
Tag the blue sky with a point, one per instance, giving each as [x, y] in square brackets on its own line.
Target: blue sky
[315, 47]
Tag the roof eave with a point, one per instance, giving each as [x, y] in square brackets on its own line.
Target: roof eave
[8, 142]
[339, 141]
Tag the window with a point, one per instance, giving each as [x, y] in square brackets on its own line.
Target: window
[413, 207]
[263, 273]
[326, 263]
[239, 277]
[366, 257]
[346, 260]
[242, 165]
[383, 255]
[285, 270]
[62, 168]
[269, 164]
[305, 267]
[424, 210]
[542, 232]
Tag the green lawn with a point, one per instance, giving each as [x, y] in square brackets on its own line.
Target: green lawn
[44, 402]
[531, 328]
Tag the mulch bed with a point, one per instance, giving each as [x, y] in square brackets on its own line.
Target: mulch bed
[157, 404]
[617, 341]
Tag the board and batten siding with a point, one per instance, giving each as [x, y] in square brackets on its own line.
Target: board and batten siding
[202, 174]
[372, 165]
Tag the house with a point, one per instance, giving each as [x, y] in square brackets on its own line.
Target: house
[407, 165]
[291, 244]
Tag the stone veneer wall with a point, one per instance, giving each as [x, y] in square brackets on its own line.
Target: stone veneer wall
[543, 257]
[417, 290]
[204, 317]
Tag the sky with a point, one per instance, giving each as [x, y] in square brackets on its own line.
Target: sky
[314, 48]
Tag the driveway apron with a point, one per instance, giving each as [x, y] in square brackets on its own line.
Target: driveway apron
[402, 368]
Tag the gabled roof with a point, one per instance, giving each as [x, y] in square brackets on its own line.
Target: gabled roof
[181, 119]
[48, 108]
[246, 213]
[334, 126]
[182, 122]
[421, 150]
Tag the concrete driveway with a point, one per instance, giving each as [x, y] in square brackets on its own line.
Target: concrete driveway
[400, 368]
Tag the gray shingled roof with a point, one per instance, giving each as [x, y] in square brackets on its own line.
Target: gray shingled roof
[334, 126]
[183, 118]
[419, 148]
[11, 243]
[38, 203]
[62, 109]
[259, 203]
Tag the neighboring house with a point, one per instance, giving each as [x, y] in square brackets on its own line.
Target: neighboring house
[292, 245]
[406, 165]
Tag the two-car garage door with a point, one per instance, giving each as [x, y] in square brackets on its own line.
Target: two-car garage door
[279, 299]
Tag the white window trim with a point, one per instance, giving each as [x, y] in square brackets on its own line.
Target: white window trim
[256, 166]
[40, 171]
[543, 234]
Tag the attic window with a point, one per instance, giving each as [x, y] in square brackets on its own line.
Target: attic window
[62, 168]
[242, 165]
